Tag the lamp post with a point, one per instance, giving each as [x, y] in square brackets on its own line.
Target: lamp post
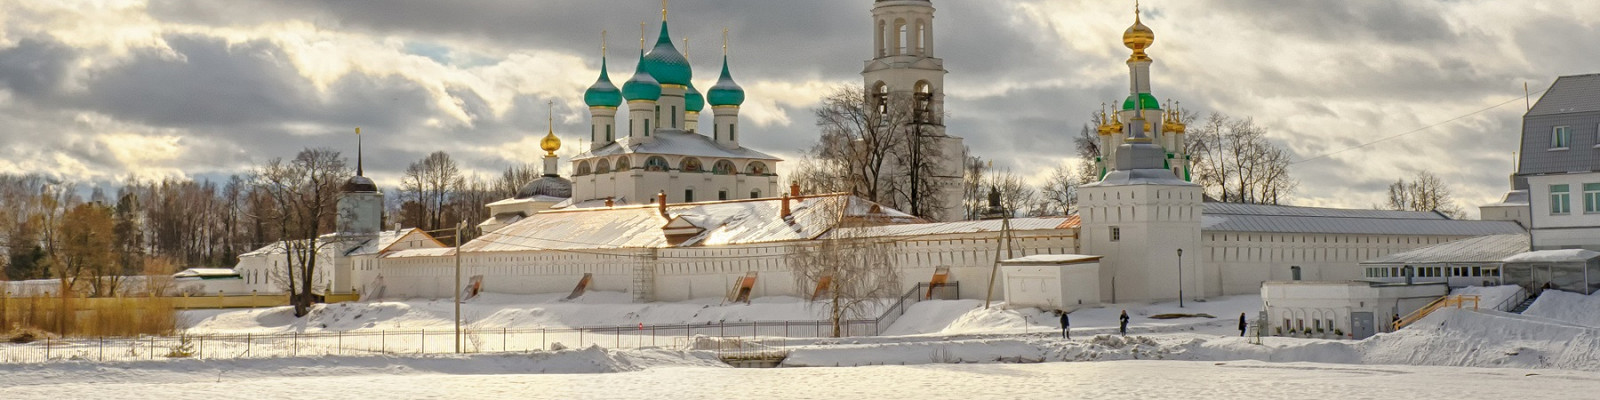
[1180, 278]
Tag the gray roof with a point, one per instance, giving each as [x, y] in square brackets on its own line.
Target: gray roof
[1569, 94]
[673, 142]
[1482, 249]
[1234, 217]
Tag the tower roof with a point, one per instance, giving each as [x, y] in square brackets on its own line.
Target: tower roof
[643, 86]
[665, 63]
[693, 100]
[726, 92]
[603, 93]
[1138, 37]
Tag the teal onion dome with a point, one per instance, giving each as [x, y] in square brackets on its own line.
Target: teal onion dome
[603, 93]
[693, 100]
[726, 92]
[642, 86]
[666, 64]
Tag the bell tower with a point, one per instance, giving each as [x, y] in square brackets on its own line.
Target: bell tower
[904, 78]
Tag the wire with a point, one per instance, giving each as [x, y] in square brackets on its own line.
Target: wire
[1326, 155]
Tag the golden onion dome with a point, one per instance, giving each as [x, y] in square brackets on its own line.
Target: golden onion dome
[550, 144]
[1138, 37]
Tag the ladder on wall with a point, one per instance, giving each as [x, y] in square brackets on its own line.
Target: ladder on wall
[742, 288]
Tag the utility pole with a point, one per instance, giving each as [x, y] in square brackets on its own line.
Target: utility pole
[457, 287]
[1005, 241]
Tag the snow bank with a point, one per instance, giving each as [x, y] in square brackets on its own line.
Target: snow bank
[581, 361]
[1491, 296]
[1567, 307]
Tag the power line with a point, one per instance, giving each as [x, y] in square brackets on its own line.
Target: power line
[1326, 155]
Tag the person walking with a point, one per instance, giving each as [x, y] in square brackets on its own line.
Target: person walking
[1066, 326]
[1124, 322]
[1242, 324]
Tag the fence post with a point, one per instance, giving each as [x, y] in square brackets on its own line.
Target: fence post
[503, 346]
[340, 343]
[383, 342]
[295, 352]
[201, 352]
[247, 342]
[102, 348]
[542, 336]
[152, 347]
[652, 336]
[424, 342]
[47, 348]
[619, 337]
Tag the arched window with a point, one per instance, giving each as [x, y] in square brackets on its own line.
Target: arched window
[724, 167]
[924, 102]
[623, 165]
[883, 38]
[926, 44]
[602, 167]
[583, 168]
[656, 164]
[880, 97]
[755, 194]
[691, 164]
[756, 168]
[915, 37]
[900, 41]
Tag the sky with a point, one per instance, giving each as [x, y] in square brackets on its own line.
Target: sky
[93, 91]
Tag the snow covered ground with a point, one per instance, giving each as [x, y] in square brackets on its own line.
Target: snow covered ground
[654, 376]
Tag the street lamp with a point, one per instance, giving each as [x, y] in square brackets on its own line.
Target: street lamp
[1180, 278]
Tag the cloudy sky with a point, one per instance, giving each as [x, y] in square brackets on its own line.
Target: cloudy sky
[93, 90]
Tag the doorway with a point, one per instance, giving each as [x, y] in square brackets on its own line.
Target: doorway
[1361, 325]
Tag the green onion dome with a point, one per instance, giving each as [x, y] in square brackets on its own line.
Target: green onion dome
[603, 93]
[1149, 102]
[726, 92]
[642, 86]
[693, 100]
[666, 64]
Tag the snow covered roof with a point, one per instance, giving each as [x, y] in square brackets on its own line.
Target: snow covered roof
[387, 239]
[1554, 256]
[1235, 217]
[722, 222]
[674, 142]
[1482, 249]
[1141, 177]
[206, 273]
[960, 227]
[534, 199]
[434, 252]
[1052, 259]
[1515, 198]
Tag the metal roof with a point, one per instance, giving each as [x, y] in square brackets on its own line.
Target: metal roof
[1482, 249]
[1052, 259]
[723, 223]
[674, 142]
[1234, 217]
[960, 227]
[1569, 94]
[1554, 256]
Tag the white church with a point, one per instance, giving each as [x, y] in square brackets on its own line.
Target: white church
[667, 210]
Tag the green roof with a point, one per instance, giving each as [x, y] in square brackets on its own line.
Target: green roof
[1150, 102]
[726, 92]
[642, 86]
[693, 100]
[603, 93]
[666, 64]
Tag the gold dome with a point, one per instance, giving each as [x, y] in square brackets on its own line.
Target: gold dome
[550, 144]
[1138, 37]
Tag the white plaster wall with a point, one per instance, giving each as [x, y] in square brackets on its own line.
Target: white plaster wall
[1154, 222]
[1244, 260]
[1556, 231]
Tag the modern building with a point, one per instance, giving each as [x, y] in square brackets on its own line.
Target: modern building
[1557, 181]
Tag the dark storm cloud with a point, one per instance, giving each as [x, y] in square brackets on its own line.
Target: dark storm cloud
[35, 67]
[1409, 22]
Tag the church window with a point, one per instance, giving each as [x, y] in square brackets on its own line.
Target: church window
[602, 167]
[900, 37]
[880, 97]
[656, 164]
[756, 168]
[647, 127]
[609, 136]
[674, 116]
[922, 37]
[924, 102]
[583, 168]
[1116, 234]
[723, 167]
[1591, 198]
[755, 194]
[690, 164]
[1560, 200]
[732, 132]
[623, 165]
[1560, 137]
[688, 195]
[722, 194]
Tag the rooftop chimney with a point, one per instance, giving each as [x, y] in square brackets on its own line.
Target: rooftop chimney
[661, 202]
[785, 212]
[794, 190]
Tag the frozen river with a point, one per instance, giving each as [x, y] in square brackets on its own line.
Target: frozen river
[1099, 380]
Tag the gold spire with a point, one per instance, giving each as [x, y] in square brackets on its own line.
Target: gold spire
[1138, 37]
[685, 47]
[641, 36]
[550, 143]
[663, 10]
[724, 42]
[602, 43]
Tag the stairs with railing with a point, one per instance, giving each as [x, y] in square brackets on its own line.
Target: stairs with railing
[1457, 301]
[1523, 306]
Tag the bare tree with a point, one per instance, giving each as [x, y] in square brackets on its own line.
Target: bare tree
[886, 144]
[1235, 162]
[815, 174]
[856, 264]
[1060, 191]
[1425, 192]
[514, 178]
[305, 191]
[431, 182]
[1016, 195]
[975, 195]
[85, 254]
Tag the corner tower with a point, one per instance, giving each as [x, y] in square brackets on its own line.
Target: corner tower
[360, 203]
[904, 76]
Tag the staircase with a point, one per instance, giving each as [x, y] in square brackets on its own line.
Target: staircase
[1523, 306]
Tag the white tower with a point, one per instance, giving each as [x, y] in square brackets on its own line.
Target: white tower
[642, 93]
[725, 97]
[903, 66]
[603, 99]
[1140, 215]
[360, 203]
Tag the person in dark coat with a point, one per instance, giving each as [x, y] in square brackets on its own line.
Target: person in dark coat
[1242, 325]
[1124, 322]
[1066, 326]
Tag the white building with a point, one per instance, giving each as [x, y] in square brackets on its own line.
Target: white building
[1341, 309]
[903, 66]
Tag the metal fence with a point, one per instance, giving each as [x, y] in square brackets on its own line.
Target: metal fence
[419, 342]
